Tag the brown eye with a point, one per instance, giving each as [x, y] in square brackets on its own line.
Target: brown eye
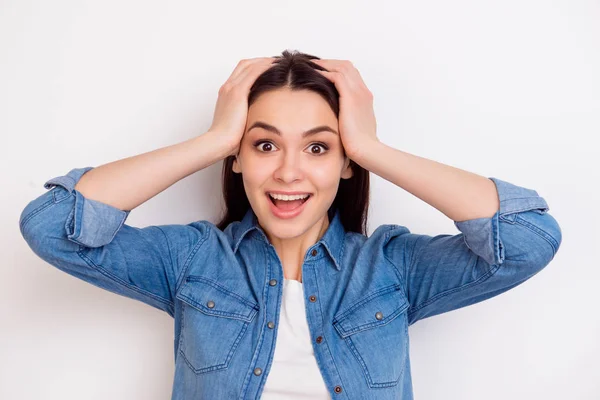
[317, 146]
[266, 148]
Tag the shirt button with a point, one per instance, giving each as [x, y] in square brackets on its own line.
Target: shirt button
[210, 304]
[378, 315]
[273, 282]
[257, 371]
[271, 324]
[313, 252]
[313, 298]
[338, 389]
[319, 339]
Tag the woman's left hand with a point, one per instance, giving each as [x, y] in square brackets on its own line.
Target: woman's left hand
[357, 124]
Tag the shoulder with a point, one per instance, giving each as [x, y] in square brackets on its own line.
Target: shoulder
[385, 233]
[384, 242]
[216, 239]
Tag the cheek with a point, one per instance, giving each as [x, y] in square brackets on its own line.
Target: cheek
[255, 172]
[326, 175]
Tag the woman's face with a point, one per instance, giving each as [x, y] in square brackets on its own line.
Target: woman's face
[290, 161]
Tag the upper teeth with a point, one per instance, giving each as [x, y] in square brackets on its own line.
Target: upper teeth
[288, 198]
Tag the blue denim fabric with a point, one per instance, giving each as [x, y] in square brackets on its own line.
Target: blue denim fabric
[223, 287]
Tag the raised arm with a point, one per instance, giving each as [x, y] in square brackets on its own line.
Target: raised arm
[88, 238]
[79, 225]
[507, 235]
[125, 184]
[460, 195]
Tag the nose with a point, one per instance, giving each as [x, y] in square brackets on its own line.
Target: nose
[289, 169]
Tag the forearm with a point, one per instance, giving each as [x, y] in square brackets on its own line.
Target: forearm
[458, 194]
[127, 183]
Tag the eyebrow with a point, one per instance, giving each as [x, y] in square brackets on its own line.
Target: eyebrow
[271, 128]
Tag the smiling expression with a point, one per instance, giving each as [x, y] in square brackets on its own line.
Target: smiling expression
[291, 144]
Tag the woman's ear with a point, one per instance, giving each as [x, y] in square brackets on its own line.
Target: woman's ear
[347, 171]
[235, 167]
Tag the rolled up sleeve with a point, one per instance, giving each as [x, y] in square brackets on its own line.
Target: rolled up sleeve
[90, 223]
[91, 241]
[482, 235]
[488, 257]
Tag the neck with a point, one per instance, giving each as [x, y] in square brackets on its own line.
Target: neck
[291, 251]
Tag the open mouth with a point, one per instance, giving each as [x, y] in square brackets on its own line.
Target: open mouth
[288, 205]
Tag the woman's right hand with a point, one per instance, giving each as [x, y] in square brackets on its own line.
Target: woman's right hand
[231, 110]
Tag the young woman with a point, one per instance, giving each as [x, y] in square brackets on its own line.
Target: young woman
[286, 297]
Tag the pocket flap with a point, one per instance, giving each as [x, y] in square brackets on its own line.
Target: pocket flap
[376, 309]
[212, 298]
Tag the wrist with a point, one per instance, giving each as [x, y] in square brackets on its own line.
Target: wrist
[220, 146]
[362, 150]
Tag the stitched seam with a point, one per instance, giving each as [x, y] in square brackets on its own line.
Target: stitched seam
[171, 302]
[369, 325]
[396, 269]
[519, 210]
[204, 369]
[410, 266]
[456, 289]
[326, 343]
[118, 227]
[370, 380]
[226, 314]
[359, 303]
[538, 204]
[540, 232]
[224, 364]
[398, 272]
[119, 281]
[519, 198]
[210, 282]
[189, 258]
[263, 329]
[35, 212]
[359, 359]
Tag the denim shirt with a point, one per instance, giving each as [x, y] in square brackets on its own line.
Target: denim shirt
[224, 288]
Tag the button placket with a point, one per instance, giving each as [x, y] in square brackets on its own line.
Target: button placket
[271, 324]
[319, 339]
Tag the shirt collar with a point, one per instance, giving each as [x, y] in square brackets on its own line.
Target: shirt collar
[332, 240]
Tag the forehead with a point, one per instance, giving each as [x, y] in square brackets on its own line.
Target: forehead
[284, 107]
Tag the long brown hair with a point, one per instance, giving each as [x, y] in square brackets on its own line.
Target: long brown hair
[295, 71]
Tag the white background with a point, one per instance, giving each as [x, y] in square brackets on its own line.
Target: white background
[508, 89]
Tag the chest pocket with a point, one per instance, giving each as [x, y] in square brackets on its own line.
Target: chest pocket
[375, 329]
[214, 320]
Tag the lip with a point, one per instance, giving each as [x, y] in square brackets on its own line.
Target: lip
[286, 214]
[287, 193]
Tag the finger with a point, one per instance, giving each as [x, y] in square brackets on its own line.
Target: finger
[249, 69]
[251, 73]
[344, 83]
[348, 71]
[332, 64]
[339, 80]
[244, 64]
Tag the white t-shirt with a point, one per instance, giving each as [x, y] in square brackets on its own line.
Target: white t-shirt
[294, 374]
